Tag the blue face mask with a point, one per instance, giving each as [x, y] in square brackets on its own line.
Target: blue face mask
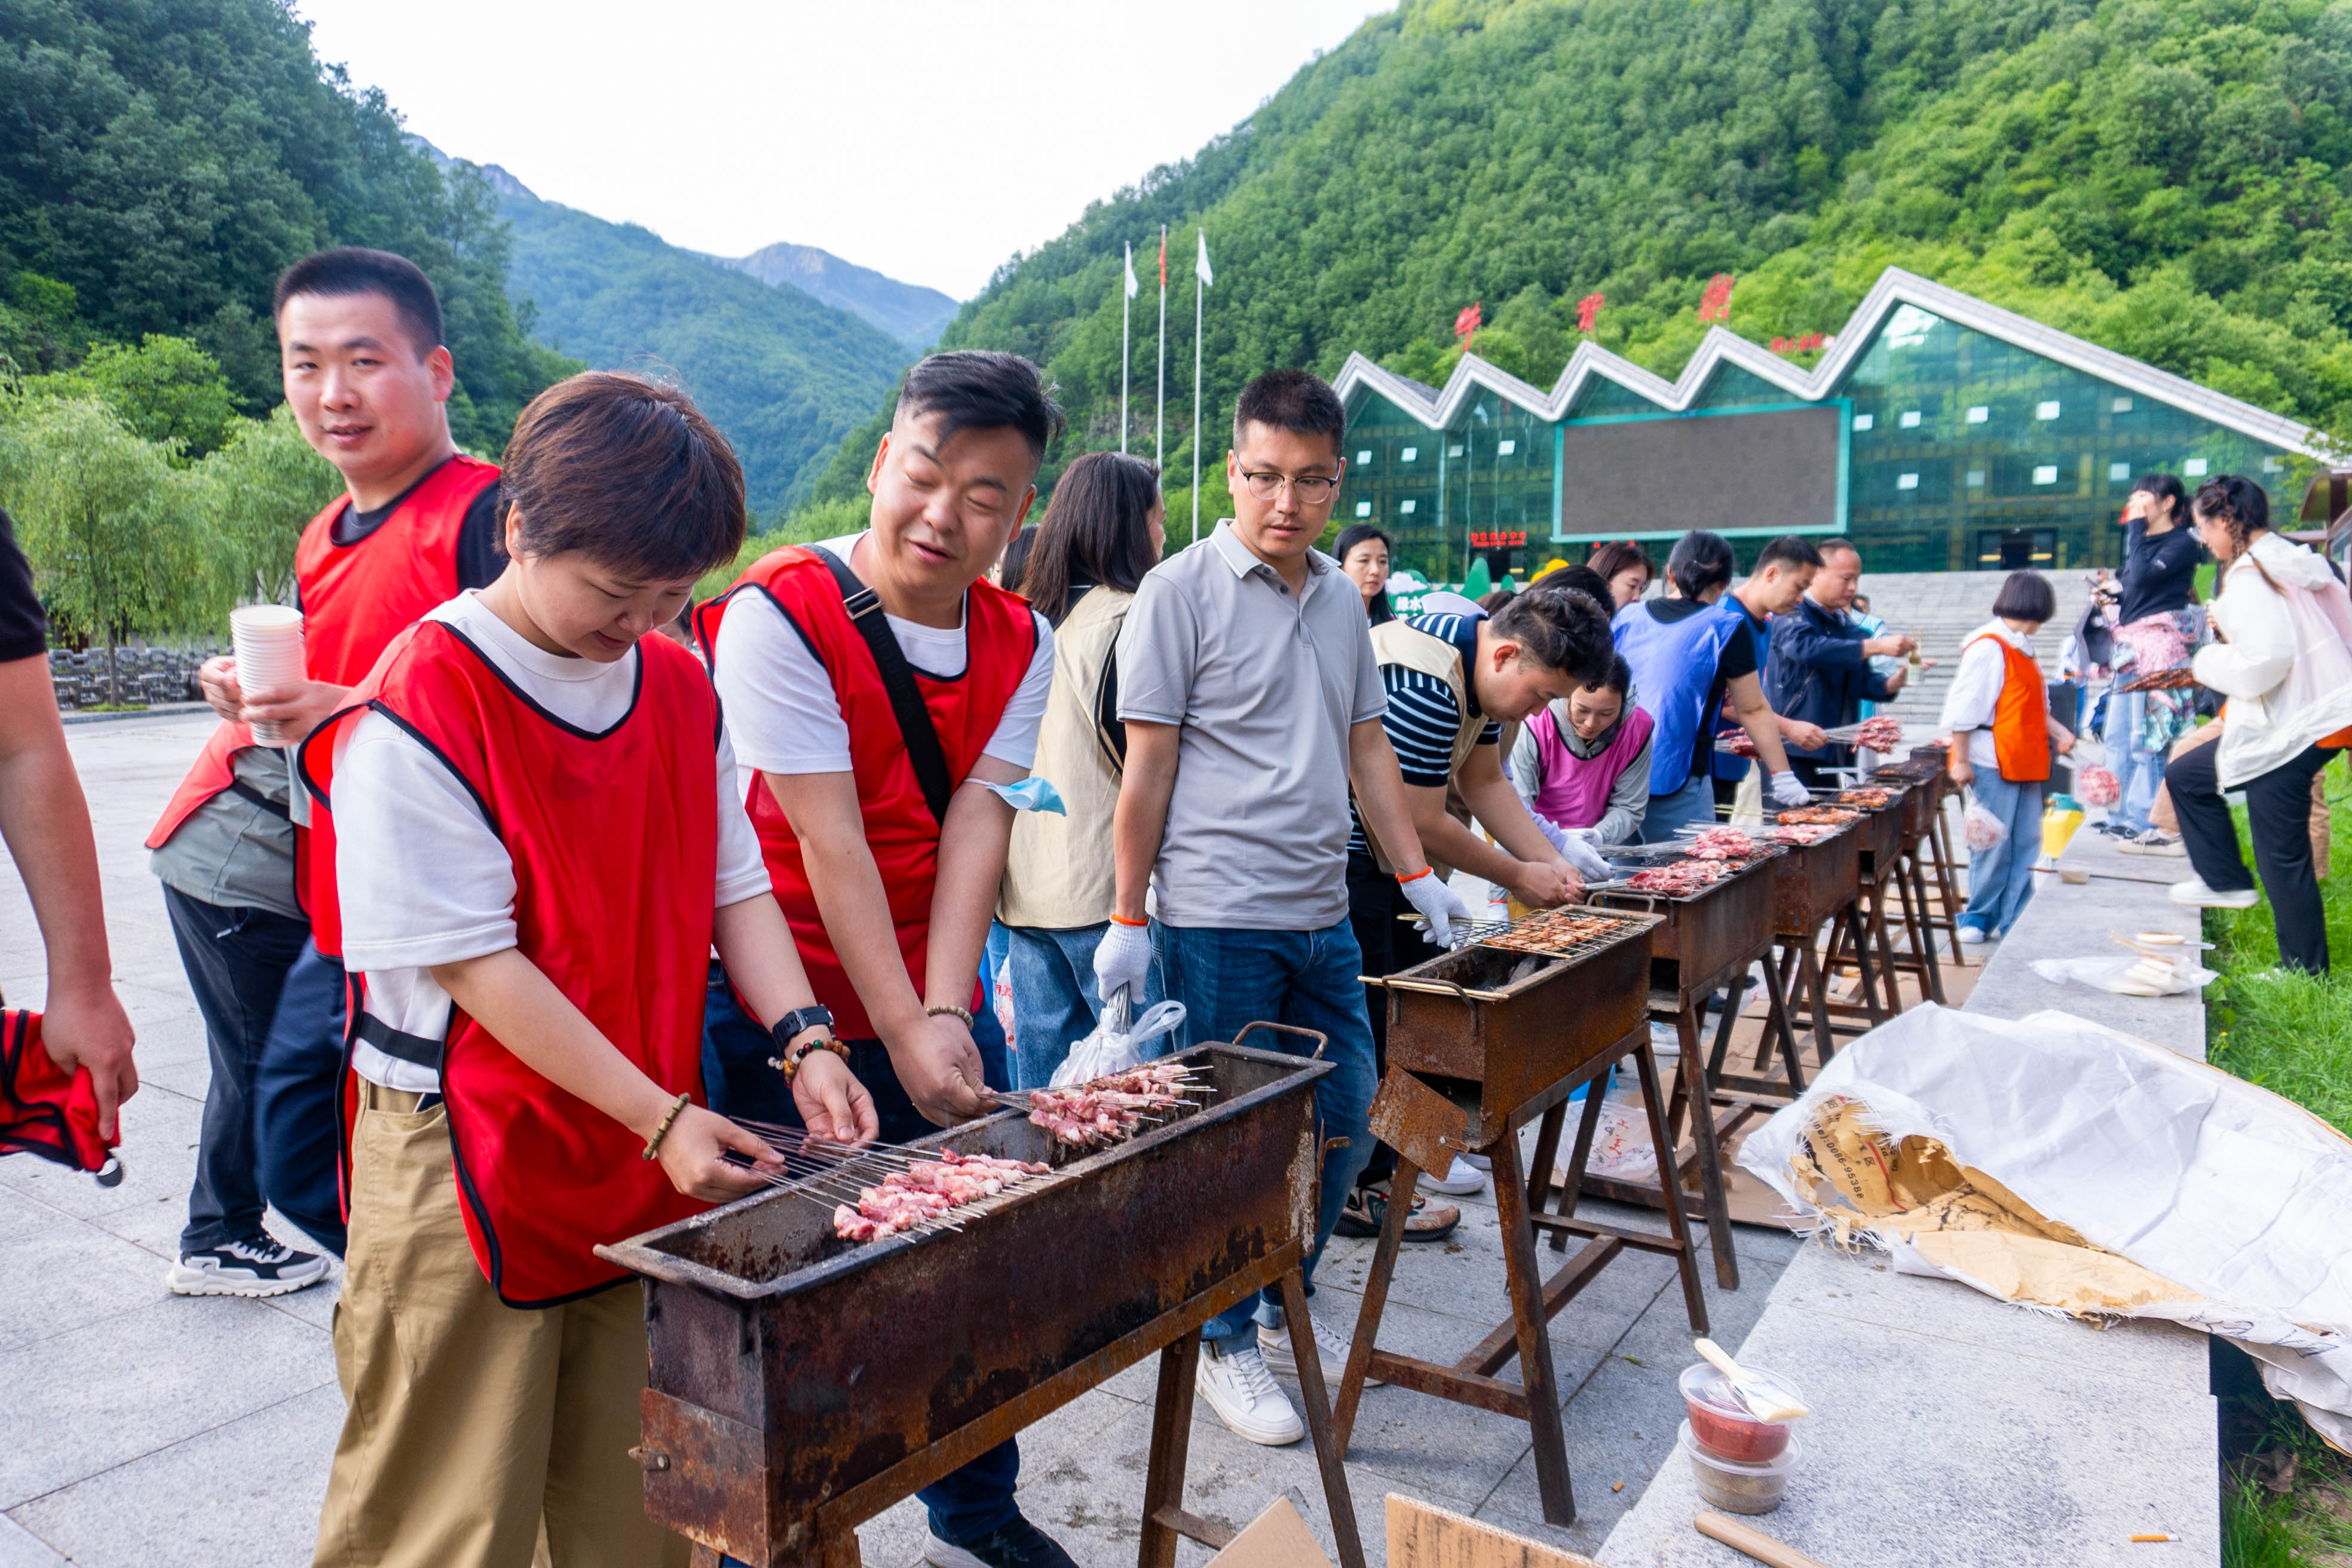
[1031, 795]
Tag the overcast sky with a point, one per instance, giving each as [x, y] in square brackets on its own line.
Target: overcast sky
[927, 139]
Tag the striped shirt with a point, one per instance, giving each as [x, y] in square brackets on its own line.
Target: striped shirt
[1423, 716]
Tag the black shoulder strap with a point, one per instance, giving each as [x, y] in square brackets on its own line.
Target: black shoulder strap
[923, 749]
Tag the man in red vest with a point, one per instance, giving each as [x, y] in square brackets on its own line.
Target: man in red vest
[875, 688]
[249, 896]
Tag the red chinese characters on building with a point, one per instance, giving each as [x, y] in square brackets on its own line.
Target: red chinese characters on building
[1503, 539]
[1715, 305]
[1588, 310]
[1466, 324]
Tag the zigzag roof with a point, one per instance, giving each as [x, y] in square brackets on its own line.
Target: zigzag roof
[1722, 346]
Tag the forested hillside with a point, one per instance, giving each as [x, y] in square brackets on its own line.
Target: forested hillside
[782, 373]
[908, 312]
[161, 160]
[2167, 177]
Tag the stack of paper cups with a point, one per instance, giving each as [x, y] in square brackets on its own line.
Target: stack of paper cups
[268, 641]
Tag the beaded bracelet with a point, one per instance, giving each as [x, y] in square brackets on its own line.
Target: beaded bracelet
[654, 1142]
[792, 1061]
[950, 1012]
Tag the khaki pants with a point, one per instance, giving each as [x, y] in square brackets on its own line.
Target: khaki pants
[471, 1421]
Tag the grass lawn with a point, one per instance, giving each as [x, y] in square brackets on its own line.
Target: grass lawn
[2287, 1497]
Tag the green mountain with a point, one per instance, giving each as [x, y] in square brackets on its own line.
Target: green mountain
[160, 161]
[2165, 177]
[784, 375]
[908, 312]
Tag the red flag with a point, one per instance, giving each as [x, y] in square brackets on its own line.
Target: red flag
[1715, 305]
[1588, 310]
[1467, 323]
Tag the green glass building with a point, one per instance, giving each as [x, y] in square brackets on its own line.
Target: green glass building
[1941, 433]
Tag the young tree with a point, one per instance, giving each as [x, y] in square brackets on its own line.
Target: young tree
[256, 494]
[165, 390]
[108, 522]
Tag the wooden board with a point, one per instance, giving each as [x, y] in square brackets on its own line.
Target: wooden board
[1277, 1538]
[1421, 1535]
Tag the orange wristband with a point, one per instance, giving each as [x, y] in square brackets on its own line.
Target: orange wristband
[1137, 925]
[1416, 877]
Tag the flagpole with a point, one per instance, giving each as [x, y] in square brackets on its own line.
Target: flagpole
[1199, 291]
[1160, 393]
[1126, 308]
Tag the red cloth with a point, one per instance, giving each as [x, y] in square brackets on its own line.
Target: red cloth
[1000, 638]
[355, 599]
[2020, 720]
[43, 1111]
[615, 839]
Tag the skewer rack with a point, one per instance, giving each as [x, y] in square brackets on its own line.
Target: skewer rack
[801, 1383]
[1481, 1041]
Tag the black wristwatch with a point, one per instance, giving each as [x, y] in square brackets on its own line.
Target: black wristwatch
[800, 1020]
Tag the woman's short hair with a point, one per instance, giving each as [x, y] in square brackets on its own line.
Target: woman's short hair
[2026, 596]
[2168, 488]
[2238, 504]
[1557, 627]
[627, 472]
[1618, 678]
[1616, 555]
[1097, 530]
[1700, 561]
[1355, 534]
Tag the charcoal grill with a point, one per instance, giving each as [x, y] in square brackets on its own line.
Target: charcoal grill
[1479, 1047]
[1709, 940]
[802, 1383]
[1923, 811]
[1881, 835]
[1813, 885]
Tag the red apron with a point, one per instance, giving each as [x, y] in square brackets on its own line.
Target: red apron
[1000, 638]
[355, 599]
[615, 839]
[2020, 720]
[42, 1111]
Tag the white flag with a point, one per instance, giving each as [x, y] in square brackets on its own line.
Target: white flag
[1201, 266]
[1132, 286]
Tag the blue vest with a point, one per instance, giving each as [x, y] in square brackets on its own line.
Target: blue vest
[1673, 669]
[1728, 766]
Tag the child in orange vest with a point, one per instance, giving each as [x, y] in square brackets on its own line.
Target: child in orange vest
[1997, 711]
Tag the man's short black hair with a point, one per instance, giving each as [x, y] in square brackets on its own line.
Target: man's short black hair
[1790, 550]
[1560, 629]
[983, 389]
[354, 270]
[2026, 596]
[1297, 401]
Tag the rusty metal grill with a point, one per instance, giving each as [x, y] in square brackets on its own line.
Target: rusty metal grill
[1594, 933]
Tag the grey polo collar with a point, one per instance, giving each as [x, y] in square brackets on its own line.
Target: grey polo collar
[1243, 561]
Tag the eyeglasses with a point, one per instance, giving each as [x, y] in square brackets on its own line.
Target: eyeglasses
[1312, 489]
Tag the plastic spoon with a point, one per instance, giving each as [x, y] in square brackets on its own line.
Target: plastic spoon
[1766, 1400]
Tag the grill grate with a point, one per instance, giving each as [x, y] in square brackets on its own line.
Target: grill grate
[1572, 934]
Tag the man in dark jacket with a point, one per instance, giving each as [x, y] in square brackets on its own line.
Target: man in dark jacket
[1820, 667]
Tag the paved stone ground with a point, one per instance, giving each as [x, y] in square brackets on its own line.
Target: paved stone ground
[143, 1428]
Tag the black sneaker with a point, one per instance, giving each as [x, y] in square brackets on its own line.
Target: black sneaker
[257, 1265]
[1016, 1544]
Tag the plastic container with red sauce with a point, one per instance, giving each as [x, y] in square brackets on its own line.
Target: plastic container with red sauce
[1720, 1424]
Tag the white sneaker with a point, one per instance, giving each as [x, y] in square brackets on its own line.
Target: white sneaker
[1331, 1350]
[1461, 1179]
[2195, 893]
[2155, 841]
[1973, 936]
[257, 1265]
[1483, 1162]
[1242, 1392]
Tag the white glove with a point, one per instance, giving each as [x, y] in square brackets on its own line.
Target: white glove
[1579, 853]
[1123, 957]
[1440, 905]
[1788, 793]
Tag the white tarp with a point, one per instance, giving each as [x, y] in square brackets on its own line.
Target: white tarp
[2239, 1197]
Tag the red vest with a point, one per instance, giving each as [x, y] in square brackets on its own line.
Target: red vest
[355, 599]
[2020, 720]
[1000, 638]
[42, 1110]
[615, 839]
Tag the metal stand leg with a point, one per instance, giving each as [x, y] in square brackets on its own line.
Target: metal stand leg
[1164, 1519]
[1536, 1374]
[1327, 1447]
[1645, 1064]
[1376, 1301]
[1694, 1090]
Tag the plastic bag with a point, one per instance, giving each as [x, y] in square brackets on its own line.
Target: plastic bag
[2100, 787]
[2147, 976]
[1980, 826]
[1116, 1044]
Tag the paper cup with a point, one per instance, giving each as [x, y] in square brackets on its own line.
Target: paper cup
[267, 642]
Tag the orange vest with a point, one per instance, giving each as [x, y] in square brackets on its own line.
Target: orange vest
[2020, 721]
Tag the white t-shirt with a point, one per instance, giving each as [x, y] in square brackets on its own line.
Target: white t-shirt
[423, 878]
[1970, 702]
[781, 710]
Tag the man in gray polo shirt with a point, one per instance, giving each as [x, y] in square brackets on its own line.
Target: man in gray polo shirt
[1247, 674]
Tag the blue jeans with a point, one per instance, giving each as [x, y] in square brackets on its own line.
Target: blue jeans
[1692, 806]
[1053, 1002]
[2000, 880]
[1307, 978]
[987, 1028]
[298, 1098]
[2137, 772]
